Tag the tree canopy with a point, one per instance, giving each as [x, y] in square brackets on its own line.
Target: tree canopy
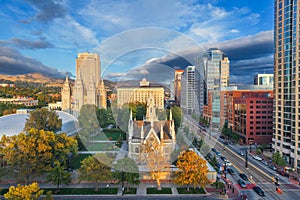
[43, 119]
[192, 170]
[278, 159]
[24, 192]
[96, 169]
[58, 175]
[126, 168]
[32, 153]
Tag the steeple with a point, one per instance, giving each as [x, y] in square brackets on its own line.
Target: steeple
[151, 110]
[161, 132]
[171, 117]
[142, 132]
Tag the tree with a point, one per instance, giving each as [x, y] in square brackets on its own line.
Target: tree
[155, 158]
[258, 151]
[96, 169]
[177, 116]
[88, 123]
[192, 170]
[126, 170]
[105, 117]
[278, 159]
[58, 175]
[26, 192]
[43, 119]
[33, 153]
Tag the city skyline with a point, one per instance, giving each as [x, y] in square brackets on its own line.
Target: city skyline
[34, 40]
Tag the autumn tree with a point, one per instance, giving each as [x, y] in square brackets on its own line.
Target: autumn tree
[96, 169]
[155, 158]
[88, 123]
[58, 175]
[126, 170]
[24, 192]
[192, 170]
[33, 153]
[43, 119]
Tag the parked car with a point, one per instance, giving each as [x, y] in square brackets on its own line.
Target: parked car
[213, 150]
[223, 158]
[242, 183]
[273, 167]
[241, 153]
[230, 171]
[257, 158]
[228, 163]
[218, 165]
[244, 176]
[221, 137]
[264, 162]
[259, 191]
[218, 153]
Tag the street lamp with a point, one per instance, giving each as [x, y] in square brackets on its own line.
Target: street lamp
[225, 169]
[246, 159]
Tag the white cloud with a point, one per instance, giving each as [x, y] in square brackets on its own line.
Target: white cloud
[68, 33]
[234, 31]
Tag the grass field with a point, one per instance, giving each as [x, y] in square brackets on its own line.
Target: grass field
[162, 191]
[191, 191]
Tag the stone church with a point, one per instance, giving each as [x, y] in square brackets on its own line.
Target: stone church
[151, 130]
[88, 87]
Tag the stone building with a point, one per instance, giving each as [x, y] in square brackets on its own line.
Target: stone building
[88, 87]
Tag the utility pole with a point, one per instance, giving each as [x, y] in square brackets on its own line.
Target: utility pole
[246, 159]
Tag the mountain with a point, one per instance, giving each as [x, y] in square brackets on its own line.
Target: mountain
[33, 78]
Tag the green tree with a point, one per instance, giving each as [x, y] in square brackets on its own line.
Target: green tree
[192, 170]
[278, 159]
[58, 175]
[43, 119]
[96, 169]
[177, 116]
[24, 192]
[88, 123]
[105, 117]
[126, 170]
[258, 151]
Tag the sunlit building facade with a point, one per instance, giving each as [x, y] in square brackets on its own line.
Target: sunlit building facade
[286, 136]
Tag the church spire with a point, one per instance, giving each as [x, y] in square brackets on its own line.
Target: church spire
[142, 132]
[171, 117]
[151, 110]
[161, 132]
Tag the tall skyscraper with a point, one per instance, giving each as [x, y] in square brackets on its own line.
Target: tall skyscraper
[216, 69]
[177, 84]
[189, 98]
[286, 81]
[88, 87]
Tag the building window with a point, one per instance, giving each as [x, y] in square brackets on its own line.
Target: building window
[136, 150]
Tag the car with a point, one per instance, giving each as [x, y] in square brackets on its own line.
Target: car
[228, 163]
[259, 191]
[244, 176]
[273, 167]
[230, 171]
[223, 158]
[264, 162]
[241, 153]
[218, 153]
[222, 137]
[213, 150]
[257, 158]
[218, 165]
[226, 143]
[242, 183]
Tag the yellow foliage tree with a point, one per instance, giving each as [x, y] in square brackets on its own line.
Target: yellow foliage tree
[24, 192]
[192, 170]
[155, 158]
[32, 153]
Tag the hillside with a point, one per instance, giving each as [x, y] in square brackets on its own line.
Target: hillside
[33, 78]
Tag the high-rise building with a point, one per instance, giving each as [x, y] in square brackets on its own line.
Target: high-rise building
[264, 79]
[286, 77]
[88, 87]
[177, 84]
[216, 69]
[188, 100]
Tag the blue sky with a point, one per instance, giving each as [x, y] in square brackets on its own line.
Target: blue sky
[45, 36]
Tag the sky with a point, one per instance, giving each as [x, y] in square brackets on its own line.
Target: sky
[135, 38]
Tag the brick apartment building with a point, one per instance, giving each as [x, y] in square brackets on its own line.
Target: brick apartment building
[248, 112]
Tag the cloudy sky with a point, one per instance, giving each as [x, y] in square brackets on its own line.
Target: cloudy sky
[132, 36]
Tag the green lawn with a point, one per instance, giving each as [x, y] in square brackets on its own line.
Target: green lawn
[81, 191]
[131, 191]
[110, 134]
[101, 147]
[191, 191]
[162, 191]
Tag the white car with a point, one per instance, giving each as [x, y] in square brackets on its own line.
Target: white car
[257, 158]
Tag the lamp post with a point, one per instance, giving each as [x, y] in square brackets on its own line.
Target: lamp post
[225, 169]
[246, 159]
